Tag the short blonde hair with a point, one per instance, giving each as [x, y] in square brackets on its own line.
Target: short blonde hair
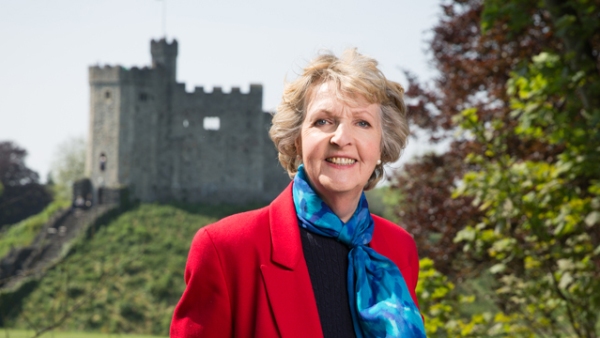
[353, 74]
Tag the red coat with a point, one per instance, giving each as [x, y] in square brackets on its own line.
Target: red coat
[246, 275]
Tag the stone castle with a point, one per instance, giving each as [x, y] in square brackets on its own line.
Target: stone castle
[149, 135]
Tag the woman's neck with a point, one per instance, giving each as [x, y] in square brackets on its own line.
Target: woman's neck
[342, 205]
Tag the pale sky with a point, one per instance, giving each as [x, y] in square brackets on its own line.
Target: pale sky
[49, 44]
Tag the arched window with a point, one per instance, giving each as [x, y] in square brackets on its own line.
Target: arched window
[102, 162]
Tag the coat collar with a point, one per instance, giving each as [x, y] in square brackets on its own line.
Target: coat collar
[285, 231]
[286, 277]
[287, 247]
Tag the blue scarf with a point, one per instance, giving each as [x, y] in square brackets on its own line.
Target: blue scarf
[380, 303]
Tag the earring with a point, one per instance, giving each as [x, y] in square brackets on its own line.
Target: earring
[378, 162]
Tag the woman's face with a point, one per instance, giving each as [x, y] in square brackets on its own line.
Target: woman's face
[340, 143]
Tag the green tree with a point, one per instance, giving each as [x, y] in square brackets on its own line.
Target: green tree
[449, 313]
[541, 222]
[22, 195]
[516, 194]
[68, 166]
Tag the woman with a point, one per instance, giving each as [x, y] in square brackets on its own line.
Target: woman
[314, 263]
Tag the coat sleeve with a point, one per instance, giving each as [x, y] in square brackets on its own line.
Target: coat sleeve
[204, 309]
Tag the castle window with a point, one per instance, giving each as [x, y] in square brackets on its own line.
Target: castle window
[143, 97]
[102, 162]
[212, 123]
[107, 94]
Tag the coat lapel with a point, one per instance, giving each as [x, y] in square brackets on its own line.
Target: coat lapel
[286, 277]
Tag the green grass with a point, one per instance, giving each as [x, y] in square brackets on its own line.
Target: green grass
[22, 234]
[127, 278]
[58, 334]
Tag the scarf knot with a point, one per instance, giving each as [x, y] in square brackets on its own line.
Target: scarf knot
[358, 230]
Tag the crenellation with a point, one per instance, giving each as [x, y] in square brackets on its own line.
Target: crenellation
[234, 92]
[113, 74]
[143, 71]
[143, 68]
[256, 88]
[104, 74]
[163, 46]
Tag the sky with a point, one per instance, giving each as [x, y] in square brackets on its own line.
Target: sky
[49, 45]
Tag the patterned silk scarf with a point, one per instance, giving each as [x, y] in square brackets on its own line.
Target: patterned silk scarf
[380, 302]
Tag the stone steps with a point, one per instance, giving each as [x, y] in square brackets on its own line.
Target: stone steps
[48, 246]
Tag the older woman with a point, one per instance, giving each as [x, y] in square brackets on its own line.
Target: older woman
[314, 263]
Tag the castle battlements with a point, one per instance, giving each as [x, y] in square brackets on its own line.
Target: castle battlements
[149, 134]
[109, 74]
[162, 46]
[255, 89]
[104, 74]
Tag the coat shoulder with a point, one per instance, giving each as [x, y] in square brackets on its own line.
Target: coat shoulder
[385, 229]
[240, 221]
[236, 230]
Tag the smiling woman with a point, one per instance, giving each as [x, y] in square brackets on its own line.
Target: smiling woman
[316, 262]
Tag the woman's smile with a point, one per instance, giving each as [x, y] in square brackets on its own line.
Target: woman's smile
[341, 161]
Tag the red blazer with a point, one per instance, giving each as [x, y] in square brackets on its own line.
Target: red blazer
[246, 275]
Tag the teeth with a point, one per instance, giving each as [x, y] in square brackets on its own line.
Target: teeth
[341, 160]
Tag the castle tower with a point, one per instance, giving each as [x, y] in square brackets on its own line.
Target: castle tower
[151, 136]
[106, 98]
[164, 56]
[125, 106]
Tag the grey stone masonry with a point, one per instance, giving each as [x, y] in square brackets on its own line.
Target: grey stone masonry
[148, 134]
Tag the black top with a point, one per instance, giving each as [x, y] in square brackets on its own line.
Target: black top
[327, 262]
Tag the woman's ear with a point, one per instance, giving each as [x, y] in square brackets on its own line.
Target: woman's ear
[298, 145]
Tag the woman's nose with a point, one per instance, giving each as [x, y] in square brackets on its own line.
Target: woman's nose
[341, 136]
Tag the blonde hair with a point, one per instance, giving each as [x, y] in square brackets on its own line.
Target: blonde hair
[352, 74]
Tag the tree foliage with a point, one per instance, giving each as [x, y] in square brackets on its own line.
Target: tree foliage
[22, 195]
[518, 192]
[68, 165]
[450, 313]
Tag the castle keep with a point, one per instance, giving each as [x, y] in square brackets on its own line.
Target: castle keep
[149, 135]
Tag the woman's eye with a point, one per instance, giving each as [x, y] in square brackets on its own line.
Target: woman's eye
[363, 124]
[320, 122]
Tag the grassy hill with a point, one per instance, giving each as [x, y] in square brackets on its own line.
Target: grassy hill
[22, 234]
[126, 277]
